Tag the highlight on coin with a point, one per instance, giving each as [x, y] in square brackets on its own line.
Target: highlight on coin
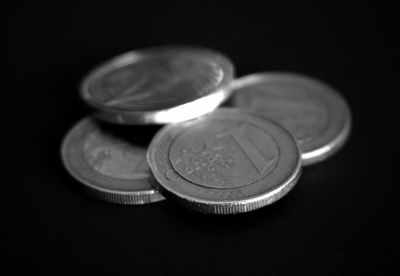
[226, 162]
[314, 112]
[108, 167]
[159, 85]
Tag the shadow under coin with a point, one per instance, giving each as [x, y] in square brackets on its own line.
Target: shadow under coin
[137, 135]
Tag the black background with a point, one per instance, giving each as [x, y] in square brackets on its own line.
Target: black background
[341, 218]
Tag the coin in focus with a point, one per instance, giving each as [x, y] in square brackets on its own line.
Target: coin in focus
[312, 111]
[158, 85]
[109, 168]
[226, 162]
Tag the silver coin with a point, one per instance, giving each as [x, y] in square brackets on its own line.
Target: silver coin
[226, 162]
[159, 85]
[109, 168]
[312, 111]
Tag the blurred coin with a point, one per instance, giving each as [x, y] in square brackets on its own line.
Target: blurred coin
[109, 168]
[158, 85]
[312, 111]
[225, 162]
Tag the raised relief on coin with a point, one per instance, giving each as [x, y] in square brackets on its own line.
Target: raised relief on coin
[108, 166]
[156, 82]
[158, 85]
[225, 155]
[115, 158]
[229, 161]
[304, 115]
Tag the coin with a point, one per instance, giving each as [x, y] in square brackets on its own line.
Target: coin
[109, 168]
[158, 85]
[226, 162]
[312, 111]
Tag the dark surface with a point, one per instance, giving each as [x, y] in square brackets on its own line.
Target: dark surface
[342, 216]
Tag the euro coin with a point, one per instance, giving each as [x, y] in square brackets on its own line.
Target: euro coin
[311, 110]
[158, 85]
[108, 167]
[226, 162]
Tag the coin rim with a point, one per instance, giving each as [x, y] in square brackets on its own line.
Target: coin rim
[336, 142]
[124, 115]
[107, 194]
[225, 206]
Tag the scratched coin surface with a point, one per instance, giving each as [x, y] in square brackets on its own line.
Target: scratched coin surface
[110, 168]
[229, 161]
[312, 111]
[159, 85]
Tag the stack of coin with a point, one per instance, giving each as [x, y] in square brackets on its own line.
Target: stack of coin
[213, 160]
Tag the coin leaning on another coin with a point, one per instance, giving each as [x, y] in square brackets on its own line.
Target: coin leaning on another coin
[108, 168]
[315, 113]
[158, 85]
[226, 162]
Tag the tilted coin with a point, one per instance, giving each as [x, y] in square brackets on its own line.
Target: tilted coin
[312, 111]
[158, 85]
[109, 168]
[226, 162]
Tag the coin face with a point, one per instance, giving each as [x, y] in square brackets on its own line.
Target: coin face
[159, 85]
[313, 112]
[225, 162]
[109, 167]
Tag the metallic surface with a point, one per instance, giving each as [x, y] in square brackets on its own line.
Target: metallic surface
[312, 111]
[226, 162]
[158, 85]
[109, 168]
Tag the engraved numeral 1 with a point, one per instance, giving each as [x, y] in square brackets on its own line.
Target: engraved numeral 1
[238, 134]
